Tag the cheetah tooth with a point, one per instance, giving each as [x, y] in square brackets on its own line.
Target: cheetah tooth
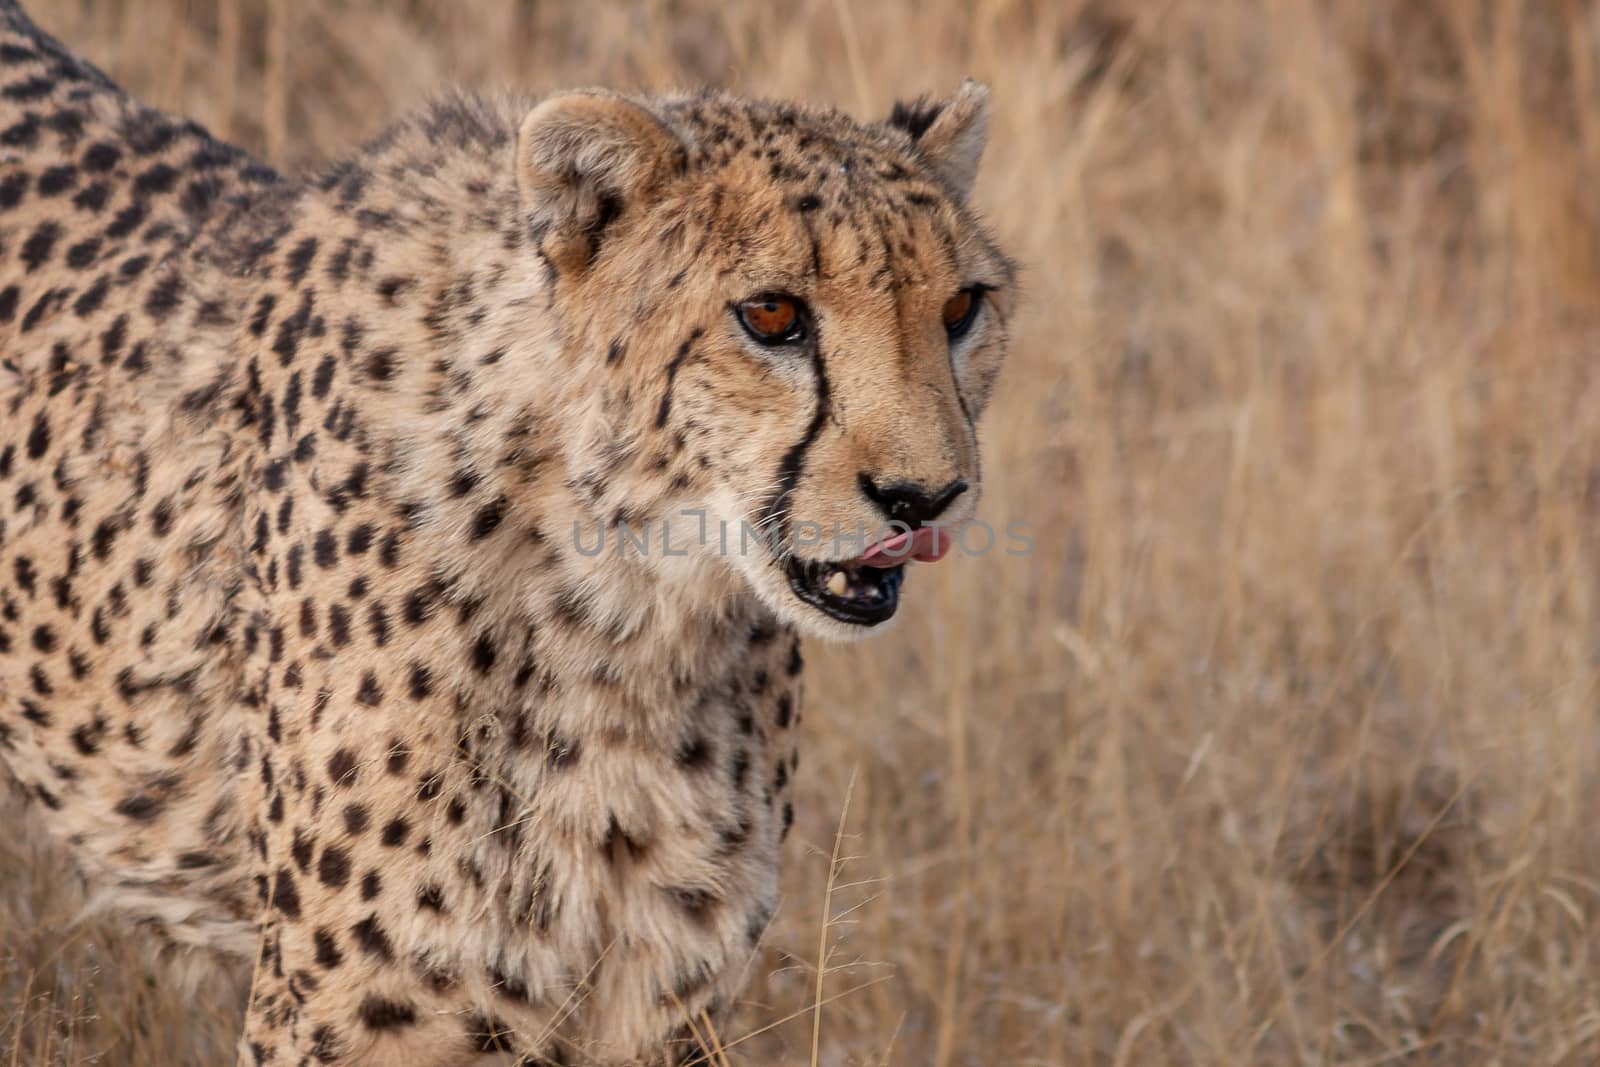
[838, 582]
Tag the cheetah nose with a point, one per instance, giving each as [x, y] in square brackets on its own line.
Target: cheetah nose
[911, 503]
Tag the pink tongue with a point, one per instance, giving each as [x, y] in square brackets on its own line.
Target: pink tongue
[926, 544]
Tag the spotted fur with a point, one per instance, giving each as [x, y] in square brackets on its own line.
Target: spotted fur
[300, 653]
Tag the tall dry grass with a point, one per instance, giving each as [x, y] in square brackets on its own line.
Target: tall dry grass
[1282, 746]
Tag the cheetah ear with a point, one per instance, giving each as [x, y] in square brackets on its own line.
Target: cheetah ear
[950, 133]
[583, 159]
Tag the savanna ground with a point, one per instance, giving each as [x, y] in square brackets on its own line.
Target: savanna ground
[1282, 746]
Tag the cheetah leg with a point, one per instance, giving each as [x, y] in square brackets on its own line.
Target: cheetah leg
[318, 998]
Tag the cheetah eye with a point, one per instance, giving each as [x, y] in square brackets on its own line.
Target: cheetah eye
[961, 310]
[773, 319]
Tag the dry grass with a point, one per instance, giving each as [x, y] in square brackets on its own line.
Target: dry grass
[1281, 748]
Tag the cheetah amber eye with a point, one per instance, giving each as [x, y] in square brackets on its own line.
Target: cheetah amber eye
[960, 311]
[773, 319]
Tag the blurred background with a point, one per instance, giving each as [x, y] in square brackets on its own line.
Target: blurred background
[1281, 747]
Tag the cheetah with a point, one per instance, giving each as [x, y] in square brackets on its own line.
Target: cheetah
[307, 652]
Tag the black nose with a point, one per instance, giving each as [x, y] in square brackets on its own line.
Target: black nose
[910, 502]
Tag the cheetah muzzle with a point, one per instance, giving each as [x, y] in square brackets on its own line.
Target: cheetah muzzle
[376, 601]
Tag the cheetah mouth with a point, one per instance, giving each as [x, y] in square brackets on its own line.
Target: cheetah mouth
[865, 591]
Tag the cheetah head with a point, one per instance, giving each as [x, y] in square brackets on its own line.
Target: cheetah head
[795, 321]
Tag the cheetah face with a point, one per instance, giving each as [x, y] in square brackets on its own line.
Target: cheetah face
[812, 321]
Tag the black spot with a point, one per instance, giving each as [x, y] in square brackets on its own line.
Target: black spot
[334, 867]
[418, 605]
[378, 622]
[421, 681]
[86, 738]
[322, 380]
[356, 818]
[23, 133]
[262, 316]
[327, 949]
[381, 365]
[325, 550]
[141, 806]
[285, 897]
[42, 308]
[105, 535]
[483, 653]
[44, 639]
[127, 220]
[166, 295]
[92, 197]
[370, 936]
[39, 436]
[291, 328]
[82, 254]
[371, 885]
[15, 185]
[394, 832]
[158, 179]
[488, 518]
[342, 768]
[399, 755]
[36, 249]
[90, 299]
[380, 1013]
[101, 156]
[694, 753]
[35, 714]
[300, 260]
[431, 898]
[112, 340]
[301, 848]
[57, 180]
[35, 88]
[339, 625]
[391, 287]
[291, 403]
[369, 692]
[360, 539]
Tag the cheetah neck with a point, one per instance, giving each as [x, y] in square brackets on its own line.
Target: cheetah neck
[407, 324]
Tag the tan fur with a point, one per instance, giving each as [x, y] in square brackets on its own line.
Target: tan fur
[298, 650]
